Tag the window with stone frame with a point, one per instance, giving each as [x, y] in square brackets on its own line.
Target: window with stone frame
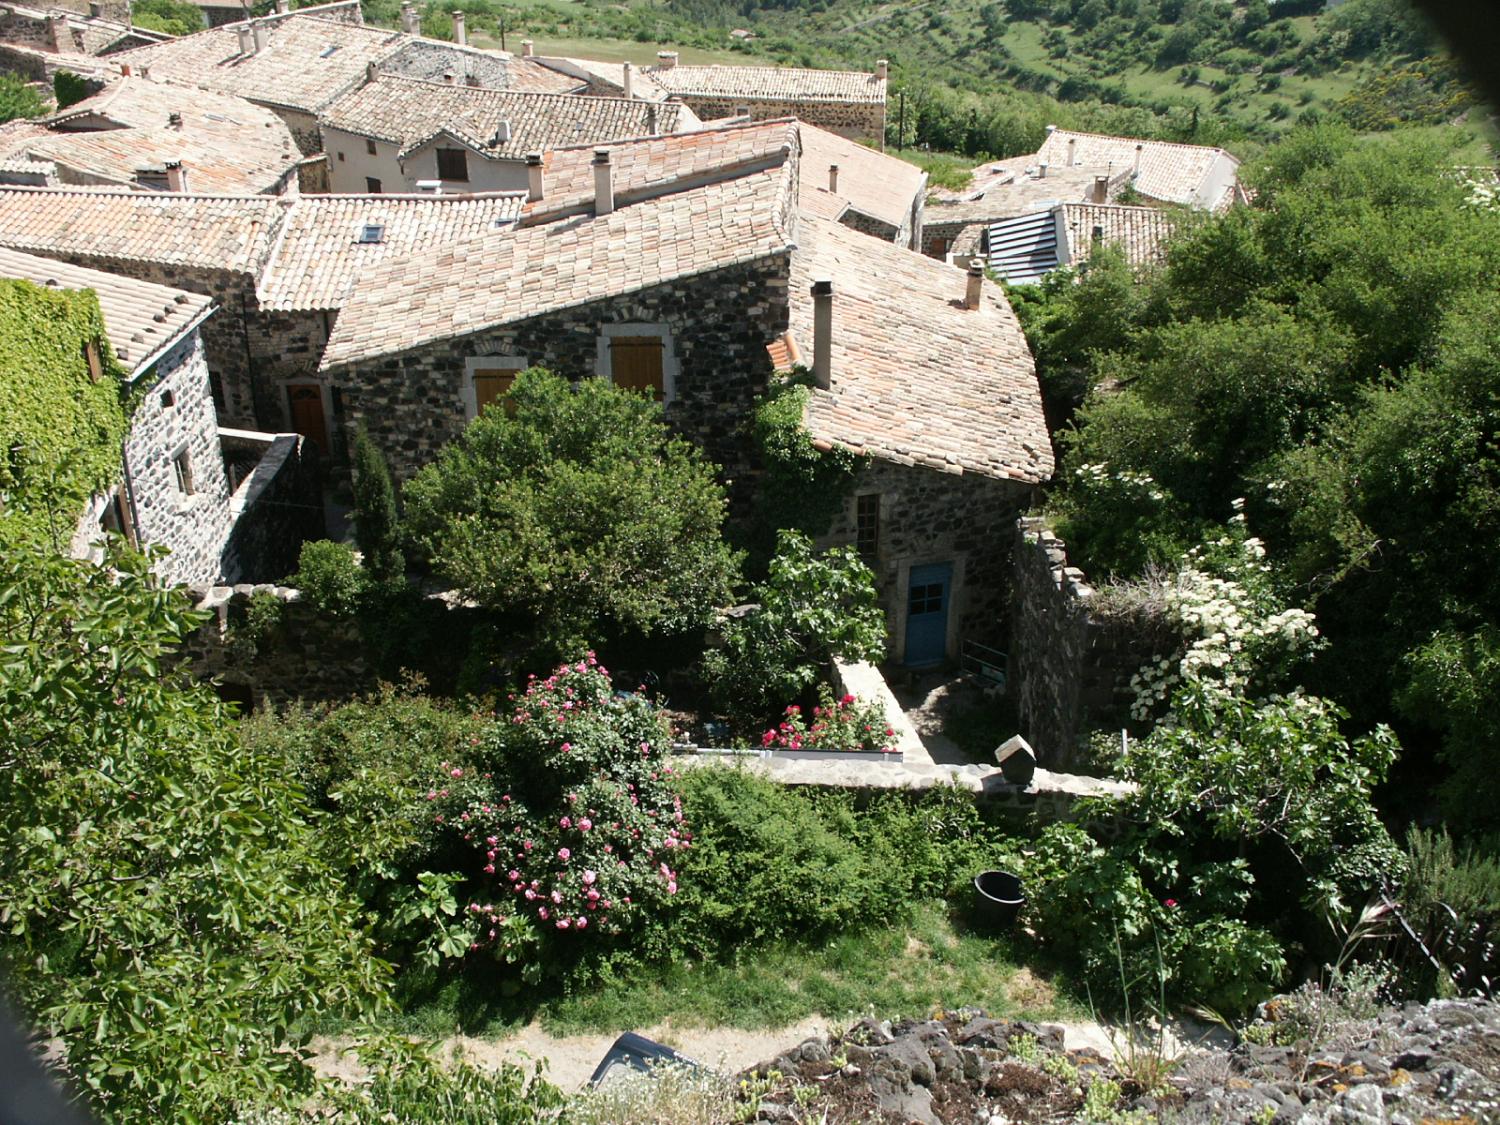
[490, 378]
[182, 471]
[636, 363]
[453, 164]
[867, 524]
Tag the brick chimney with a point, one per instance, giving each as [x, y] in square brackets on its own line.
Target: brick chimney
[459, 35]
[833, 178]
[882, 69]
[1101, 189]
[533, 176]
[177, 176]
[627, 83]
[822, 295]
[666, 59]
[975, 284]
[62, 34]
[411, 23]
[247, 40]
[604, 183]
[262, 35]
[528, 48]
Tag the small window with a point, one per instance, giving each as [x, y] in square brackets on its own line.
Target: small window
[453, 164]
[372, 232]
[92, 358]
[372, 186]
[182, 469]
[635, 362]
[370, 147]
[168, 400]
[1097, 235]
[867, 524]
[341, 156]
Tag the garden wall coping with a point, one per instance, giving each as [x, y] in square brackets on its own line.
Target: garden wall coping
[861, 678]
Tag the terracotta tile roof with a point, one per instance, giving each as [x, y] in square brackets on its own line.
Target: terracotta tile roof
[642, 85]
[141, 319]
[770, 83]
[1141, 231]
[649, 166]
[1017, 189]
[306, 63]
[406, 303]
[871, 182]
[319, 257]
[411, 112]
[229, 145]
[1173, 173]
[918, 379]
[218, 232]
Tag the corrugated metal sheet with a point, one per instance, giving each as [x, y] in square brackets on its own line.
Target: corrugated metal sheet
[1024, 249]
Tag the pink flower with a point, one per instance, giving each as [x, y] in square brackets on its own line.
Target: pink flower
[585, 824]
[846, 700]
[564, 854]
[672, 887]
[565, 822]
[1170, 903]
[588, 878]
[581, 922]
[563, 923]
[455, 772]
[542, 913]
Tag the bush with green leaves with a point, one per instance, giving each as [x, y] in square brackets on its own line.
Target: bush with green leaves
[812, 607]
[803, 487]
[330, 577]
[578, 515]
[375, 520]
[18, 98]
[170, 917]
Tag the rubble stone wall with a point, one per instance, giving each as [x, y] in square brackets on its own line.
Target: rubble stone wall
[276, 508]
[855, 120]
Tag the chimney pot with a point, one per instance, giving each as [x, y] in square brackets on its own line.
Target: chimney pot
[174, 120]
[371, 73]
[145, 71]
[247, 40]
[261, 34]
[533, 175]
[822, 295]
[833, 178]
[528, 48]
[882, 68]
[975, 286]
[1101, 189]
[627, 83]
[459, 35]
[604, 184]
[1072, 151]
[666, 59]
[177, 177]
[124, 70]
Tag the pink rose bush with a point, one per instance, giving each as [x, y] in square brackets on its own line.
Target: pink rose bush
[571, 815]
[845, 723]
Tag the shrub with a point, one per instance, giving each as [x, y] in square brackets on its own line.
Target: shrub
[330, 577]
[803, 488]
[68, 89]
[838, 724]
[18, 98]
[375, 511]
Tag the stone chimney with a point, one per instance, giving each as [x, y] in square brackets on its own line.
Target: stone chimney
[460, 36]
[247, 40]
[975, 286]
[282, 7]
[604, 183]
[62, 34]
[262, 35]
[1136, 171]
[1101, 189]
[833, 178]
[411, 23]
[372, 72]
[653, 127]
[666, 59]
[533, 176]
[145, 72]
[1041, 170]
[627, 83]
[882, 69]
[96, 10]
[822, 295]
[528, 48]
[502, 134]
[177, 176]
[1072, 151]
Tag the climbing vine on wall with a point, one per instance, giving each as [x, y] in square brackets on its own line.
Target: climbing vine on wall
[804, 487]
[60, 431]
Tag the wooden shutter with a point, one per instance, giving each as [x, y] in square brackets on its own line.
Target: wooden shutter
[635, 362]
[489, 384]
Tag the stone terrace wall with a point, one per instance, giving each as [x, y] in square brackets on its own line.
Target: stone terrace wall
[1069, 670]
[857, 121]
[275, 509]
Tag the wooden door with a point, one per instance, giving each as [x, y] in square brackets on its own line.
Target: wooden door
[927, 596]
[490, 384]
[306, 405]
[635, 362]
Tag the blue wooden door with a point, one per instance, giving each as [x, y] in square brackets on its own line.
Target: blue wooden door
[927, 594]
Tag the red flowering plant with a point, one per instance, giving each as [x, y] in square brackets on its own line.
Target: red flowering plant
[846, 723]
[573, 818]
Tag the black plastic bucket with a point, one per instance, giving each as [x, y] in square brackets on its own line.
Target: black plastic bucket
[998, 898]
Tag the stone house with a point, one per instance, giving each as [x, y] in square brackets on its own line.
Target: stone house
[403, 134]
[852, 183]
[1026, 248]
[297, 64]
[848, 102]
[686, 267]
[174, 490]
[153, 136]
[37, 42]
[278, 268]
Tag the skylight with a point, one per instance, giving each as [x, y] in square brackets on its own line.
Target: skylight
[371, 232]
[328, 50]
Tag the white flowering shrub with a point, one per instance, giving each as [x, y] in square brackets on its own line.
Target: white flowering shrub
[1235, 631]
[1117, 521]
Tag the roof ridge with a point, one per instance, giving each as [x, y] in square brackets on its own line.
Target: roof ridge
[1144, 141]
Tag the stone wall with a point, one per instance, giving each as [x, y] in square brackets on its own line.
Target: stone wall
[857, 121]
[942, 237]
[175, 417]
[928, 516]
[433, 60]
[908, 235]
[276, 508]
[719, 324]
[26, 28]
[1069, 669]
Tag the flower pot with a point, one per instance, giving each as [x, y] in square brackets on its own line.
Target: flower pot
[997, 898]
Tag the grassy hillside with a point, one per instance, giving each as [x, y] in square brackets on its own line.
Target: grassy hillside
[984, 77]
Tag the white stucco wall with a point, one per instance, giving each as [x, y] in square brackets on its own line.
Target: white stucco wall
[350, 164]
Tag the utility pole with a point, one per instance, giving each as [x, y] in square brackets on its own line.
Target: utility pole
[901, 122]
[502, 31]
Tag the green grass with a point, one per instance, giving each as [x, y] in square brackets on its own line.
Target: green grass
[944, 169]
[901, 970]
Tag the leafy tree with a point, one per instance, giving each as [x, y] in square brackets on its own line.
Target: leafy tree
[330, 577]
[579, 514]
[174, 17]
[167, 913]
[375, 520]
[811, 607]
[68, 89]
[18, 98]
